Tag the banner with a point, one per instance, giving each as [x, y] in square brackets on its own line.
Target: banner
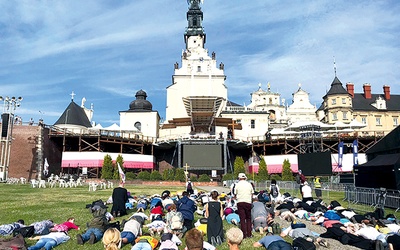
[355, 152]
[121, 173]
[340, 156]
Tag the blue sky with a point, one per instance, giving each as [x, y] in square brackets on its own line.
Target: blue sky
[106, 51]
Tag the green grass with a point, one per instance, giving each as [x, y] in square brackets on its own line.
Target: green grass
[57, 204]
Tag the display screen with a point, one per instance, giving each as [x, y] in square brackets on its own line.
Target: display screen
[203, 156]
[315, 163]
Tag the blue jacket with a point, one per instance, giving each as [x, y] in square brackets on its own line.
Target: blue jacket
[187, 207]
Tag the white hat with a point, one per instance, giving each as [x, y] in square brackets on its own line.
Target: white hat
[242, 176]
[305, 183]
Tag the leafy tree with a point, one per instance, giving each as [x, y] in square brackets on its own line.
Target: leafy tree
[238, 166]
[130, 176]
[119, 160]
[155, 176]
[262, 170]
[168, 174]
[107, 169]
[287, 174]
[144, 175]
[180, 175]
[193, 178]
[204, 178]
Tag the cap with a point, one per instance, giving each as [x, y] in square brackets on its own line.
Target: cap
[242, 176]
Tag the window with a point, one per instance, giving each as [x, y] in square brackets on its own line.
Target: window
[343, 100]
[333, 101]
[138, 126]
[239, 121]
[395, 121]
[334, 116]
[378, 121]
[344, 115]
[198, 68]
[253, 124]
[364, 120]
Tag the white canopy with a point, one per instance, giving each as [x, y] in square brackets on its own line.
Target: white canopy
[113, 127]
[356, 124]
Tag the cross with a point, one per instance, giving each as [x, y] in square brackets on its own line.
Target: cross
[186, 171]
[72, 95]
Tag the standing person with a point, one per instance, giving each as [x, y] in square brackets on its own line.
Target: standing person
[187, 207]
[214, 213]
[274, 192]
[244, 194]
[306, 192]
[317, 187]
[189, 187]
[300, 179]
[119, 197]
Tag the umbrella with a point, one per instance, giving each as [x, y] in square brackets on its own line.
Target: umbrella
[356, 124]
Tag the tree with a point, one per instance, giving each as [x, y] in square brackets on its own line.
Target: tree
[180, 175]
[107, 169]
[155, 176]
[238, 166]
[119, 160]
[287, 174]
[262, 170]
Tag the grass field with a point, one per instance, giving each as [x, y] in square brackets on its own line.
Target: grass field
[57, 204]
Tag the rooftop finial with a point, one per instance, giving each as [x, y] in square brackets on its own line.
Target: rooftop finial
[334, 65]
[72, 96]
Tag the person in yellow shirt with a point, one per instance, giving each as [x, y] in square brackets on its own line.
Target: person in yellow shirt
[317, 187]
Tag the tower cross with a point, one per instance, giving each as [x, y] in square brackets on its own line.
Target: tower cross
[72, 95]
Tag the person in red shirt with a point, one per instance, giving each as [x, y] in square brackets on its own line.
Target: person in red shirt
[66, 226]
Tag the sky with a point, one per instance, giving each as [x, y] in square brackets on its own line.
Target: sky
[105, 51]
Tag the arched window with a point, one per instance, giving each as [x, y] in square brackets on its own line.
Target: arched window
[138, 126]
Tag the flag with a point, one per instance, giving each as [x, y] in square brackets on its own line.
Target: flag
[45, 167]
[121, 173]
[340, 156]
[355, 152]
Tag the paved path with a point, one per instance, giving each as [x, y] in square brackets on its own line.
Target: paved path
[220, 189]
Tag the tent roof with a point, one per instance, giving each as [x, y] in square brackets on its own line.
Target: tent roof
[382, 160]
[391, 142]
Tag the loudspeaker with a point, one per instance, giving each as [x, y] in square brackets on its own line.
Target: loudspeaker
[4, 124]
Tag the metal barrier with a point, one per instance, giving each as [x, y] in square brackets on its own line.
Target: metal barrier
[372, 197]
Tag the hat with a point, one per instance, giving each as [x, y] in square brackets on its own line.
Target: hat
[305, 183]
[242, 176]
[166, 236]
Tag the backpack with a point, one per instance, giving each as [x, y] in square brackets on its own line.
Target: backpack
[331, 215]
[25, 232]
[303, 244]
[176, 221]
[189, 185]
[15, 243]
[274, 191]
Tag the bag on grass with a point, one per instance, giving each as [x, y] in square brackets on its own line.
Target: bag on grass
[26, 232]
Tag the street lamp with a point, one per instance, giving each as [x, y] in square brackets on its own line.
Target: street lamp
[7, 117]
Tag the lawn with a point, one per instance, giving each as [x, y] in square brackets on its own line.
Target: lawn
[57, 204]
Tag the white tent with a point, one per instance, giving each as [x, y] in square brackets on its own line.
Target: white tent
[297, 125]
[113, 127]
[354, 124]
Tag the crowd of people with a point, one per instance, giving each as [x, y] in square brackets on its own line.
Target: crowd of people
[165, 221]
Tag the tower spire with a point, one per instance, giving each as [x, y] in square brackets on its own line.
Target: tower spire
[195, 18]
[334, 65]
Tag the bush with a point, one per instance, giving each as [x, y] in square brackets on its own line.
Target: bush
[144, 175]
[204, 178]
[168, 174]
[130, 175]
[194, 178]
[180, 175]
[107, 169]
[228, 177]
[155, 176]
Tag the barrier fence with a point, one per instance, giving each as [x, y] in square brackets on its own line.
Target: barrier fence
[358, 198]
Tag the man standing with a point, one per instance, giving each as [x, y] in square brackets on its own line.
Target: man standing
[244, 194]
[317, 187]
[189, 187]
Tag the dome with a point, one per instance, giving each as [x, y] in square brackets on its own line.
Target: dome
[140, 103]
